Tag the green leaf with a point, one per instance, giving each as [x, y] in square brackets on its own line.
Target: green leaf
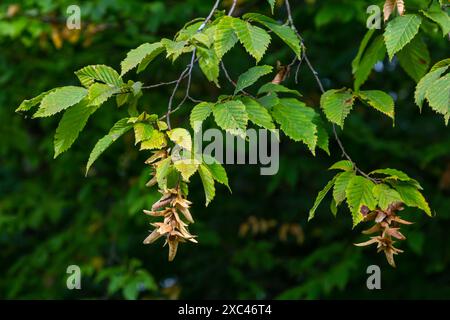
[162, 171]
[297, 121]
[322, 134]
[199, 114]
[251, 76]
[415, 58]
[26, 105]
[231, 116]
[100, 73]
[320, 196]
[142, 131]
[380, 100]
[411, 196]
[374, 53]
[187, 167]
[400, 31]
[119, 128]
[157, 140]
[141, 56]
[438, 95]
[436, 14]
[272, 4]
[426, 83]
[208, 183]
[440, 64]
[336, 105]
[278, 88]
[392, 173]
[344, 165]
[209, 64]
[99, 93]
[362, 48]
[385, 196]
[340, 186]
[359, 193]
[269, 100]
[71, 124]
[286, 33]
[257, 113]
[333, 207]
[254, 39]
[217, 170]
[60, 99]
[181, 137]
[149, 58]
[224, 37]
[175, 48]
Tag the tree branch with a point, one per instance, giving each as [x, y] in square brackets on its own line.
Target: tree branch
[319, 83]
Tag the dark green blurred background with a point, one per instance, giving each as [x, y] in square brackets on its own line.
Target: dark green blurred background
[51, 216]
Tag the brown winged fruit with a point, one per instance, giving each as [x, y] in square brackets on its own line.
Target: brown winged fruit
[387, 226]
[170, 206]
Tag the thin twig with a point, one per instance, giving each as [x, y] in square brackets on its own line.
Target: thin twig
[319, 83]
[188, 71]
[298, 67]
[227, 75]
[233, 6]
[159, 84]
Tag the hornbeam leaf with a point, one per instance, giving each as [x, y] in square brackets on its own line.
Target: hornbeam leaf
[187, 167]
[209, 64]
[344, 165]
[320, 196]
[100, 73]
[26, 105]
[336, 105]
[231, 116]
[224, 37]
[438, 95]
[71, 124]
[400, 31]
[415, 58]
[251, 76]
[436, 14]
[141, 56]
[208, 183]
[297, 121]
[119, 128]
[217, 170]
[286, 33]
[257, 113]
[426, 83]
[254, 39]
[362, 48]
[142, 131]
[359, 193]
[60, 99]
[379, 100]
[278, 88]
[411, 196]
[99, 93]
[199, 114]
[385, 196]
[157, 140]
[340, 186]
[374, 53]
[181, 137]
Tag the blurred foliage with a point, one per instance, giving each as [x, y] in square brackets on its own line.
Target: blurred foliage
[52, 217]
